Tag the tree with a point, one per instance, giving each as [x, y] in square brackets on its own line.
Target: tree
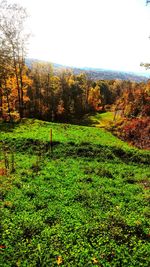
[94, 98]
[13, 42]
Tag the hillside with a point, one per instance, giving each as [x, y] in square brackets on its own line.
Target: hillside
[95, 73]
[83, 202]
[102, 74]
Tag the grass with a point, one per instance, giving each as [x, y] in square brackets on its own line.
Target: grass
[85, 204]
[103, 120]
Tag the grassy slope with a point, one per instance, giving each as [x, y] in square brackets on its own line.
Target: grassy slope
[99, 120]
[84, 205]
[102, 119]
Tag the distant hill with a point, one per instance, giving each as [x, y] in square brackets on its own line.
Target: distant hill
[96, 73]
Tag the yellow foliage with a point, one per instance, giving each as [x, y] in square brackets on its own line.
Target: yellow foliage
[94, 98]
[95, 261]
[59, 260]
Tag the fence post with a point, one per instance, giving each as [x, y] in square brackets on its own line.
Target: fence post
[51, 141]
[12, 161]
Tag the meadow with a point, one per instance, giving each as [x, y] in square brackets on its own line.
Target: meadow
[82, 202]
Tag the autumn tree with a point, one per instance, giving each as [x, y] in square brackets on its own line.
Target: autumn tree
[66, 82]
[94, 98]
[13, 49]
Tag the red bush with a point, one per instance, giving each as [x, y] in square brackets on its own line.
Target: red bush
[136, 131]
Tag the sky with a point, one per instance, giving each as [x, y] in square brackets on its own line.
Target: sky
[110, 34]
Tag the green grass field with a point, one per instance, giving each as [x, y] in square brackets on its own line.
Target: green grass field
[85, 203]
[102, 119]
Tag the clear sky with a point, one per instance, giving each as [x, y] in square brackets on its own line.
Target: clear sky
[112, 34]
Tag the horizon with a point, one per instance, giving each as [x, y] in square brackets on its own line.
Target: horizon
[88, 68]
[90, 33]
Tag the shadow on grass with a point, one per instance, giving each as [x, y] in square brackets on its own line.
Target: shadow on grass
[71, 149]
[8, 126]
[85, 120]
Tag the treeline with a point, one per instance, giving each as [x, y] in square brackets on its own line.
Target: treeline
[53, 97]
[65, 96]
[68, 96]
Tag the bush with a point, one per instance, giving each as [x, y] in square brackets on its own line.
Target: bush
[136, 131]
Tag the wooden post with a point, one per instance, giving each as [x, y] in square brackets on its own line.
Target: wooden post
[12, 162]
[6, 159]
[115, 113]
[51, 141]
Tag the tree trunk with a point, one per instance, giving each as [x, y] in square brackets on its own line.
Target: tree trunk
[1, 103]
